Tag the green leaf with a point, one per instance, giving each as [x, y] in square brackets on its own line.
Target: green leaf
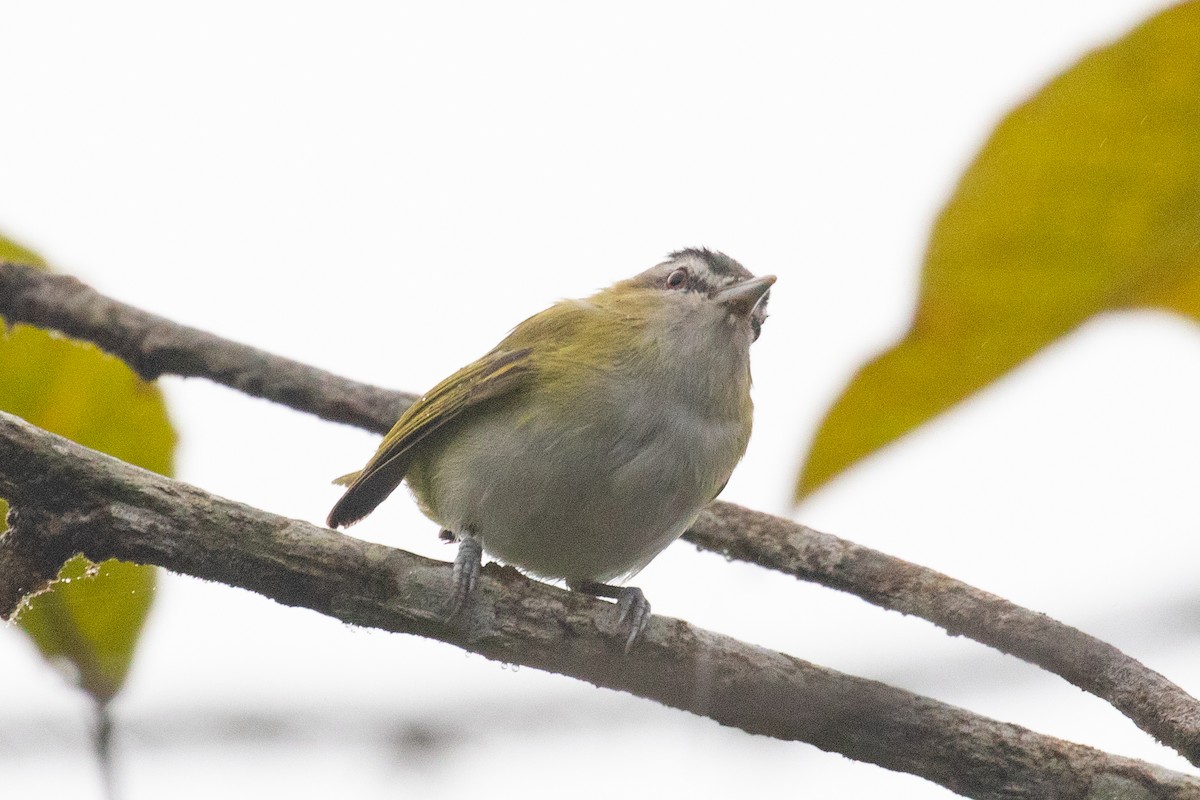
[1085, 199]
[90, 621]
[91, 618]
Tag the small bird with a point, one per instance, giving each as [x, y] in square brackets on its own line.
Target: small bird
[590, 438]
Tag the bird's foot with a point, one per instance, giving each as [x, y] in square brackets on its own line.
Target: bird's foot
[467, 564]
[632, 606]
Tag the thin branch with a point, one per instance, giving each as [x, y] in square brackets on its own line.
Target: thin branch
[155, 346]
[1150, 700]
[102, 746]
[69, 499]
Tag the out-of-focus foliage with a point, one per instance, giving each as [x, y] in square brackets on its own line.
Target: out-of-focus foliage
[1085, 199]
[91, 619]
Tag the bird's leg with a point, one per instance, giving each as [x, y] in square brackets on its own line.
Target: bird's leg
[633, 606]
[467, 563]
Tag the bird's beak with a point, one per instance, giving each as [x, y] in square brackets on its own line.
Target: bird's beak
[741, 298]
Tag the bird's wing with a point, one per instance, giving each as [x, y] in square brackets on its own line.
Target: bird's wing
[497, 373]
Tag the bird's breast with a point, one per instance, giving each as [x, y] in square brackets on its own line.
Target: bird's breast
[590, 478]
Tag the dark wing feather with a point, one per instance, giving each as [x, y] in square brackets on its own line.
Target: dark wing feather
[497, 373]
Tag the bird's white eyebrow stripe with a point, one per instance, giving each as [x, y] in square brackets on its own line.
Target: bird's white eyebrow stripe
[701, 268]
[712, 268]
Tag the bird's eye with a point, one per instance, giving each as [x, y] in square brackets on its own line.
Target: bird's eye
[677, 278]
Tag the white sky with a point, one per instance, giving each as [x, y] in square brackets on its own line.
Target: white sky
[383, 189]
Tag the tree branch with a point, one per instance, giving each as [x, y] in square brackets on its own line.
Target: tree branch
[67, 499]
[1151, 701]
[155, 346]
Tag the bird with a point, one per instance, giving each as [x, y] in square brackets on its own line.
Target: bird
[589, 438]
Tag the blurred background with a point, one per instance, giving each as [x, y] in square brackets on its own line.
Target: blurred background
[384, 189]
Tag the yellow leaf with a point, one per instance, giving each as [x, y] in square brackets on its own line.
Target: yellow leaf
[91, 619]
[1085, 199]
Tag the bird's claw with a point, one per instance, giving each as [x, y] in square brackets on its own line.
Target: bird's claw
[633, 609]
[467, 564]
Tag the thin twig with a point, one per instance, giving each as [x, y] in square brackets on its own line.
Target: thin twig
[155, 346]
[1154, 703]
[102, 744]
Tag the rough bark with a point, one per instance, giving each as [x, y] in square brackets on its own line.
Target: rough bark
[68, 499]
